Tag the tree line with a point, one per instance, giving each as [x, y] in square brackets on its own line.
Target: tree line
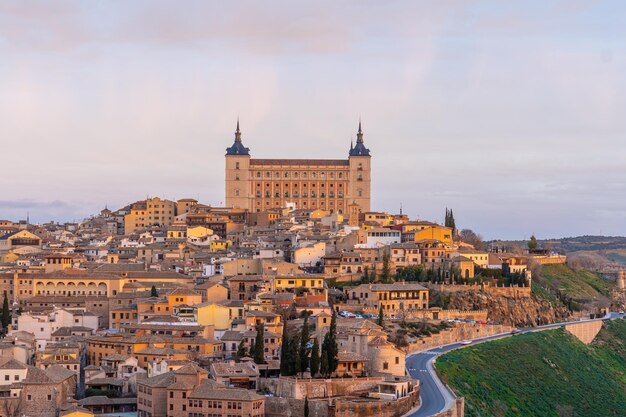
[296, 355]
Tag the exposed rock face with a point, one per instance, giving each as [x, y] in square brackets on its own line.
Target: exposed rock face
[520, 312]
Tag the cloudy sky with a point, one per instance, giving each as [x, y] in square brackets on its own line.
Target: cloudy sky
[511, 113]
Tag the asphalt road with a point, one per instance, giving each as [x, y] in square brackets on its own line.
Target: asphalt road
[435, 396]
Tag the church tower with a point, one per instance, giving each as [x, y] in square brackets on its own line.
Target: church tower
[360, 173]
[238, 173]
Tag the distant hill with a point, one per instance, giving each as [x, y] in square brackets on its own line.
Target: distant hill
[591, 252]
[581, 286]
[542, 374]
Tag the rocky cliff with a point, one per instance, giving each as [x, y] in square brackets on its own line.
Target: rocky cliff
[524, 312]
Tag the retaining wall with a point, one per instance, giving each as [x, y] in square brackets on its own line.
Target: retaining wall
[461, 331]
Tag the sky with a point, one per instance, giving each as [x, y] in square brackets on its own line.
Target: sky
[513, 113]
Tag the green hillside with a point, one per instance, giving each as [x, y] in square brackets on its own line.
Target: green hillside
[582, 286]
[542, 374]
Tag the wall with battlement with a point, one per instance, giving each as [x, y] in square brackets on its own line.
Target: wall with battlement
[300, 388]
[585, 332]
[480, 315]
[361, 407]
[461, 331]
[513, 292]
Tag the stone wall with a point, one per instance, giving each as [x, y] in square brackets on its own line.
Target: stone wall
[290, 407]
[461, 331]
[513, 292]
[585, 332]
[300, 388]
[343, 407]
[456, 410]
[435, 314]
[362, 407]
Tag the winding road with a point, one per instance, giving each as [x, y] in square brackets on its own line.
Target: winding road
[435, 396]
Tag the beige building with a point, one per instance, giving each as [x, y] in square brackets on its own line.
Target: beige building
[329, 184]
[152, 211]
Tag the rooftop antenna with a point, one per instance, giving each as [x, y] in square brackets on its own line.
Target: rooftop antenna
[400, 208]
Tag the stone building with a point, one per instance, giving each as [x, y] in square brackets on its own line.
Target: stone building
[188, 392]
[329, 184]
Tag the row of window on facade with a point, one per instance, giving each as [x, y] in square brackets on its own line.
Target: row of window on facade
[358, 178]
[296, 174]
[296, 194]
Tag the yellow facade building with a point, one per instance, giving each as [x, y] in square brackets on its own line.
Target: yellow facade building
[327, 184]
[152, 211]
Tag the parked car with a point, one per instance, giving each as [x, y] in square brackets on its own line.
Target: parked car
[466, 342]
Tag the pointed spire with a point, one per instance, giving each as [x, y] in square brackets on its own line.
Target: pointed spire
[237, 132]
[359, 134]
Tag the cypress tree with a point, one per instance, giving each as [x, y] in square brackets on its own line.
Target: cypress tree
[366, 274]
[6, 314]
[381, 318]
[303, 353]
[386, 273]
[259, 345]
[284, 352]
[333, 350]
[154, 292]
[241, 352]
[324, 367]
[452, 222]
[306, 406]
[292, 355]
[315, 358]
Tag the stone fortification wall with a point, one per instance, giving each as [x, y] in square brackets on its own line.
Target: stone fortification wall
[300, 388]
[461, 331]
[480, 315]
[513, 292]
[351, 407]
[290, 407]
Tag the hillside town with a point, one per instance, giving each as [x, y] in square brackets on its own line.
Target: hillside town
[292, 299]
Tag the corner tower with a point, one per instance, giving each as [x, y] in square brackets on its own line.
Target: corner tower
[238, 173]
[359, 157]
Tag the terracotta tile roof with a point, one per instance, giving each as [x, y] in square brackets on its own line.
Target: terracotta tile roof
[210, 390]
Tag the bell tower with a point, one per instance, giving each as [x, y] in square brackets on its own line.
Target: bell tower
[238, 174]
[360, 173]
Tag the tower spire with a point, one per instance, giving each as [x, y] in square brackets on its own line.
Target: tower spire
[359, 134]
[237, 132]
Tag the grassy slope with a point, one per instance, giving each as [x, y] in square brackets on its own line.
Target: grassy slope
[542, 374]
[580, 285]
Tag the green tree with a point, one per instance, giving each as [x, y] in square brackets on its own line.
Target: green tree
[303, 353]
[315, 358]
[292, 354]
[449, 220]
[532, 243]
[306, 406]
[333, 349]
[6, 313]
[154, 292]
[366, 275]
[324, 363]
[284, 352]
[381, 317]
[386, 272]
[241, 352]
[259, 345]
